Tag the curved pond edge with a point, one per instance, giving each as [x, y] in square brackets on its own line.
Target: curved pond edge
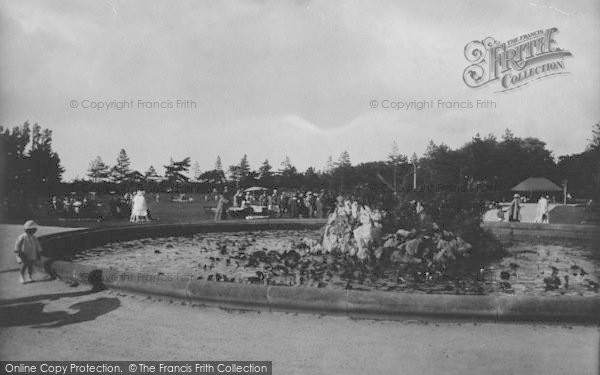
[544, 233]
[354, 303]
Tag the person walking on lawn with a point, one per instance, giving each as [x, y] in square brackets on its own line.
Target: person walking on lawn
[514, 210]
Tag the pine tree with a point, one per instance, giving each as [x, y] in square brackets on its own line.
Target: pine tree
[151, 172]
[265, 170]
[174, 172]
[218, 164]
[244, 166]
[240, 171]
[595, 141]
[120, 171]
[508, 135]
[329, 165]
[395, 157]
[286, 164]
[344, 159]
[97, 170]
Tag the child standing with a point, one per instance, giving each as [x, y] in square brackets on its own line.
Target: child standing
[28, 250]
[499, 212]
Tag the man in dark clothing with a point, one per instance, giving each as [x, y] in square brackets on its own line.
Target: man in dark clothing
[514, 210]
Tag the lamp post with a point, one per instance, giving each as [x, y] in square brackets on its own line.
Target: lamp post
[395, 179]
[415, 176]
[414, 163]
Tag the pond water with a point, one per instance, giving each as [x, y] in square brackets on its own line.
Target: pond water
[283, 257]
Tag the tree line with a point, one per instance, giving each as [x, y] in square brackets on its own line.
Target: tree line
[31, 169]
[483, 164]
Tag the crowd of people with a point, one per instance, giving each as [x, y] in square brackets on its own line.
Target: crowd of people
[514, 210]
[256, 202]
[288, 204]
[73, 205]
[133, 205]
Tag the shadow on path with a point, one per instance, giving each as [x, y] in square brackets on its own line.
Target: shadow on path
[32, 313]
[16, 269]
[51, 297]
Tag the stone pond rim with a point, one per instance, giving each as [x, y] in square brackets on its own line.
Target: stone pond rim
[60, 247]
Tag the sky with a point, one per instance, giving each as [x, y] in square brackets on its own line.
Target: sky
[273, 78]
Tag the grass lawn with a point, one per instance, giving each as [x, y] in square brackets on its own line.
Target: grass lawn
[163, 212]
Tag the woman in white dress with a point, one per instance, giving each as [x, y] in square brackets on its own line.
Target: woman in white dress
[542, 210]
[139, 209]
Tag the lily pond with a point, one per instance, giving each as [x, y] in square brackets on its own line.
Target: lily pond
[284, 257]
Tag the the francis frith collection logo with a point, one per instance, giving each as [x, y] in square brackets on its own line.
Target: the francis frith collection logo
[514, 63]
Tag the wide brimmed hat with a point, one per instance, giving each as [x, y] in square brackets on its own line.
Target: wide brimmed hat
[30, 224]
[516, 196]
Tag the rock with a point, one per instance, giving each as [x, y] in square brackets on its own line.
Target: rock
[504, 275]
[592, 284]
[365, 236]
[291, 258]
[337, 233]
[552, 282]
[273, 255]
[156, 251]
[403, 232]
[412, 246]
[317, 249]
[505, 285]
[256, 257]
[413, 260]
[391, 242]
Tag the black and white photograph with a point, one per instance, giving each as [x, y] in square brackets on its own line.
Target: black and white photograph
[299, 187]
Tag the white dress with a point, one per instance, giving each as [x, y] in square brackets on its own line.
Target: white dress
[140, 208]
[542, 211]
